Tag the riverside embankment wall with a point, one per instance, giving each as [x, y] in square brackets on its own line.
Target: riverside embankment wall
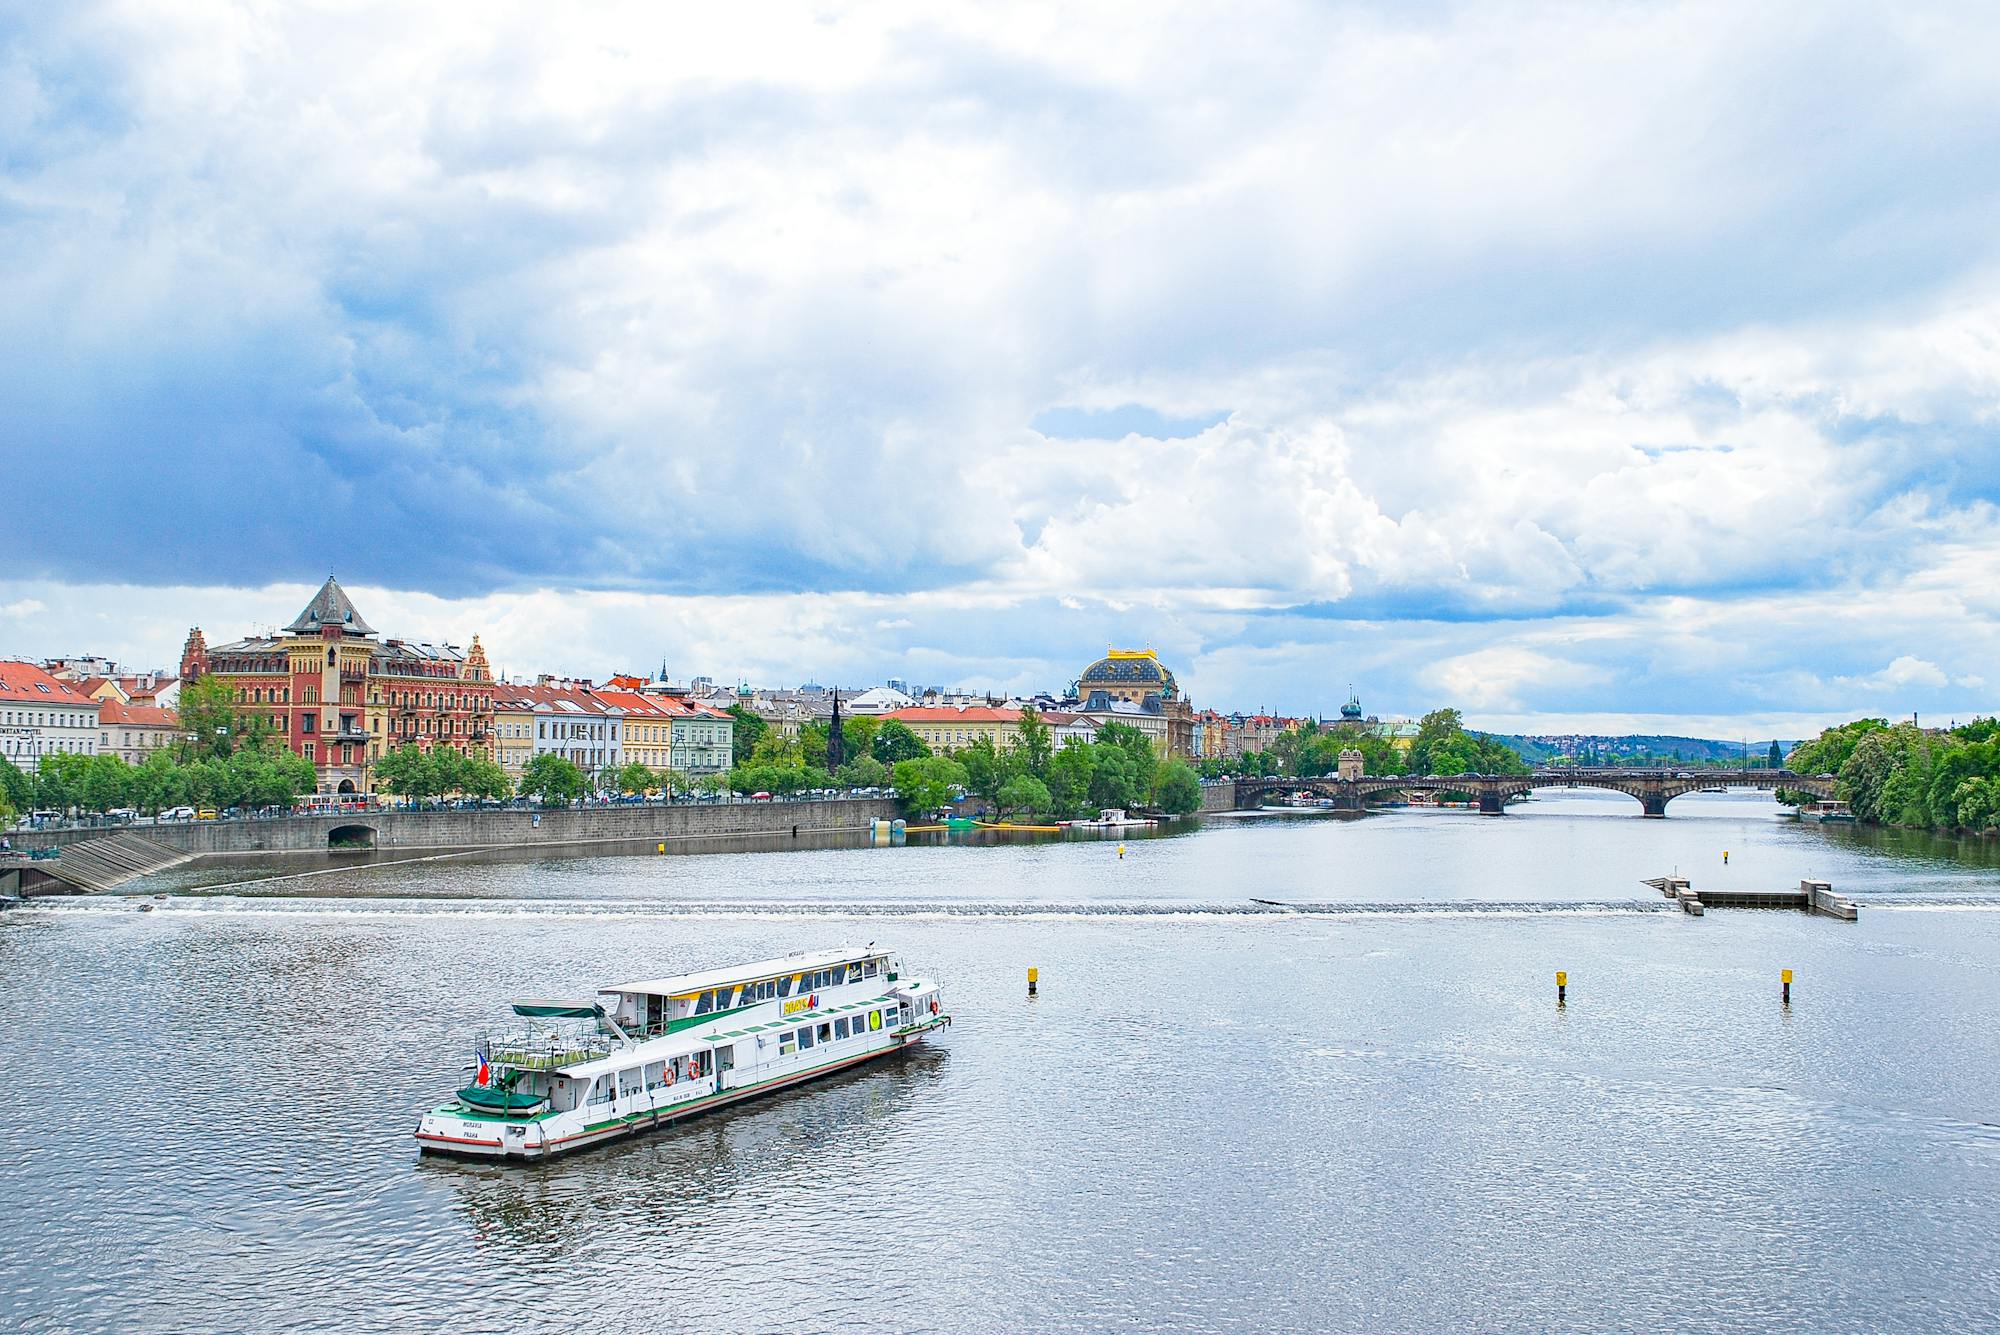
[502, 828]
[1218, 797]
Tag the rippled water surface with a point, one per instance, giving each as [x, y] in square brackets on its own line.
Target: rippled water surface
[1367, 1114]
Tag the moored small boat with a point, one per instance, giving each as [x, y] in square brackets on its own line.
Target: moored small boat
[1110, 818]
[641, 1054]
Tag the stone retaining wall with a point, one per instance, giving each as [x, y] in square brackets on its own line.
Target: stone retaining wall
[497, 828]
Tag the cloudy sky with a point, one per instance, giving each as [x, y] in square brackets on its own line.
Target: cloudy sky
[1627, 365]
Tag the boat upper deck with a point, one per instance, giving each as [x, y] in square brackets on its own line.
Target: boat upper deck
[687, 984]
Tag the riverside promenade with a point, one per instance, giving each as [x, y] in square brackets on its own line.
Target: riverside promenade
[136, 849]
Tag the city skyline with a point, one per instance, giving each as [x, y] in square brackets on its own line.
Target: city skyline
[1379, 699]
[1621, 370]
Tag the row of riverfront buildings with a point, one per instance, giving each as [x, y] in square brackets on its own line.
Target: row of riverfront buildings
[340, 694]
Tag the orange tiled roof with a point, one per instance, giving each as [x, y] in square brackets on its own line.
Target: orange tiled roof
[953, 714]
[24, 683]
[137, 716]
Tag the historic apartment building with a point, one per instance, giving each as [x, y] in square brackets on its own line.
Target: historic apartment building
[336, 693]
[134, 732]
[40, 715]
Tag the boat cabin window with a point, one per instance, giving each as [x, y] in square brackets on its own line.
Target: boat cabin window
[854, 973]
[868, 969]
[840, 1028]
[655, 1074]
[788, 1043]
[601, 1090]
[826, 1033]
[806, 1037]
[785, 986]
[629, 1083]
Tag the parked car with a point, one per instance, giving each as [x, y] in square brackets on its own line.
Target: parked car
[177, 813]
[760, 797]
[206, 813]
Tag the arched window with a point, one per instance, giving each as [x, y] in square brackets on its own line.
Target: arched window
[329, 658]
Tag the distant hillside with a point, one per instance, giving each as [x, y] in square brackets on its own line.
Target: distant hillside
[1585, 749]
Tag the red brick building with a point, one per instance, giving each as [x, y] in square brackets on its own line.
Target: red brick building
[340, 696]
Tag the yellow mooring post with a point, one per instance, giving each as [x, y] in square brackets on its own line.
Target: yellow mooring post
[1121, 852]
[1785, 984]
[663, 848]
[1725, 857]
[1034, 976]
[1562, 988]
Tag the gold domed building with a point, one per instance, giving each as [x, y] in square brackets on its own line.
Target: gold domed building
[1133, 687]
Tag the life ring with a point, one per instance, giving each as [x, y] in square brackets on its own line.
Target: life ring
[670, 1075]
[933, 1006]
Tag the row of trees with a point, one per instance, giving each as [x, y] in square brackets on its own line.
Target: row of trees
[1031, 777]
[100, 783]
[772, 763]
[1441, 746]
[1899, 774]
[1028, 777]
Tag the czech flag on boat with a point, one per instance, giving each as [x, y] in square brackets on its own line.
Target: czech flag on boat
[485, 1072]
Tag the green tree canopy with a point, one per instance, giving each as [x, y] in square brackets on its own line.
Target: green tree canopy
[894, 742]
[553, 778]
[1071, 770]
[926, 783]
[1176, 789]
[1138, 749]
[1033, 745]
[487, 778]
[404, 772]
[864, 771]
[1024, 793]
[1114, 783]
[107, 783]
[17, 786]
[746, 733]
[634, 777]
[984, 773]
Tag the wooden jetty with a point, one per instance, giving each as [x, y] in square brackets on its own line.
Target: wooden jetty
[1811, 896]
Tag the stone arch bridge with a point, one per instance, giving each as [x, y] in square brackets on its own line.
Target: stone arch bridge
[1653, 788]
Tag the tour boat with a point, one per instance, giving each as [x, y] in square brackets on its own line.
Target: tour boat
[1110, 818]
[641, 1054]
[1827, 812]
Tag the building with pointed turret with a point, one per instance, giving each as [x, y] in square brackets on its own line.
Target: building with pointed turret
[338, 694]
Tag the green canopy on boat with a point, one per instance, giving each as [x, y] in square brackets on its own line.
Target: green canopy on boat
[558, 1010]
[492, 1098]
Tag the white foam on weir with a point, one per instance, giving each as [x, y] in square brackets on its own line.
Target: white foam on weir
[199, 906]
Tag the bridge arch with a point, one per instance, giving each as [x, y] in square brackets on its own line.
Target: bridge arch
[348, 838]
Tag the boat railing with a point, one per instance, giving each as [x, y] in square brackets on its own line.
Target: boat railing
[541, 1050]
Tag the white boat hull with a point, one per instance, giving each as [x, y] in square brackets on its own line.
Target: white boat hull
[458, 1132]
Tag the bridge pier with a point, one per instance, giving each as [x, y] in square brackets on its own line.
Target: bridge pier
[1492, 804]
[1655, 805]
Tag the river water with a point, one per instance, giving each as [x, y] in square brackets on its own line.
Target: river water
[1363, 1114]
